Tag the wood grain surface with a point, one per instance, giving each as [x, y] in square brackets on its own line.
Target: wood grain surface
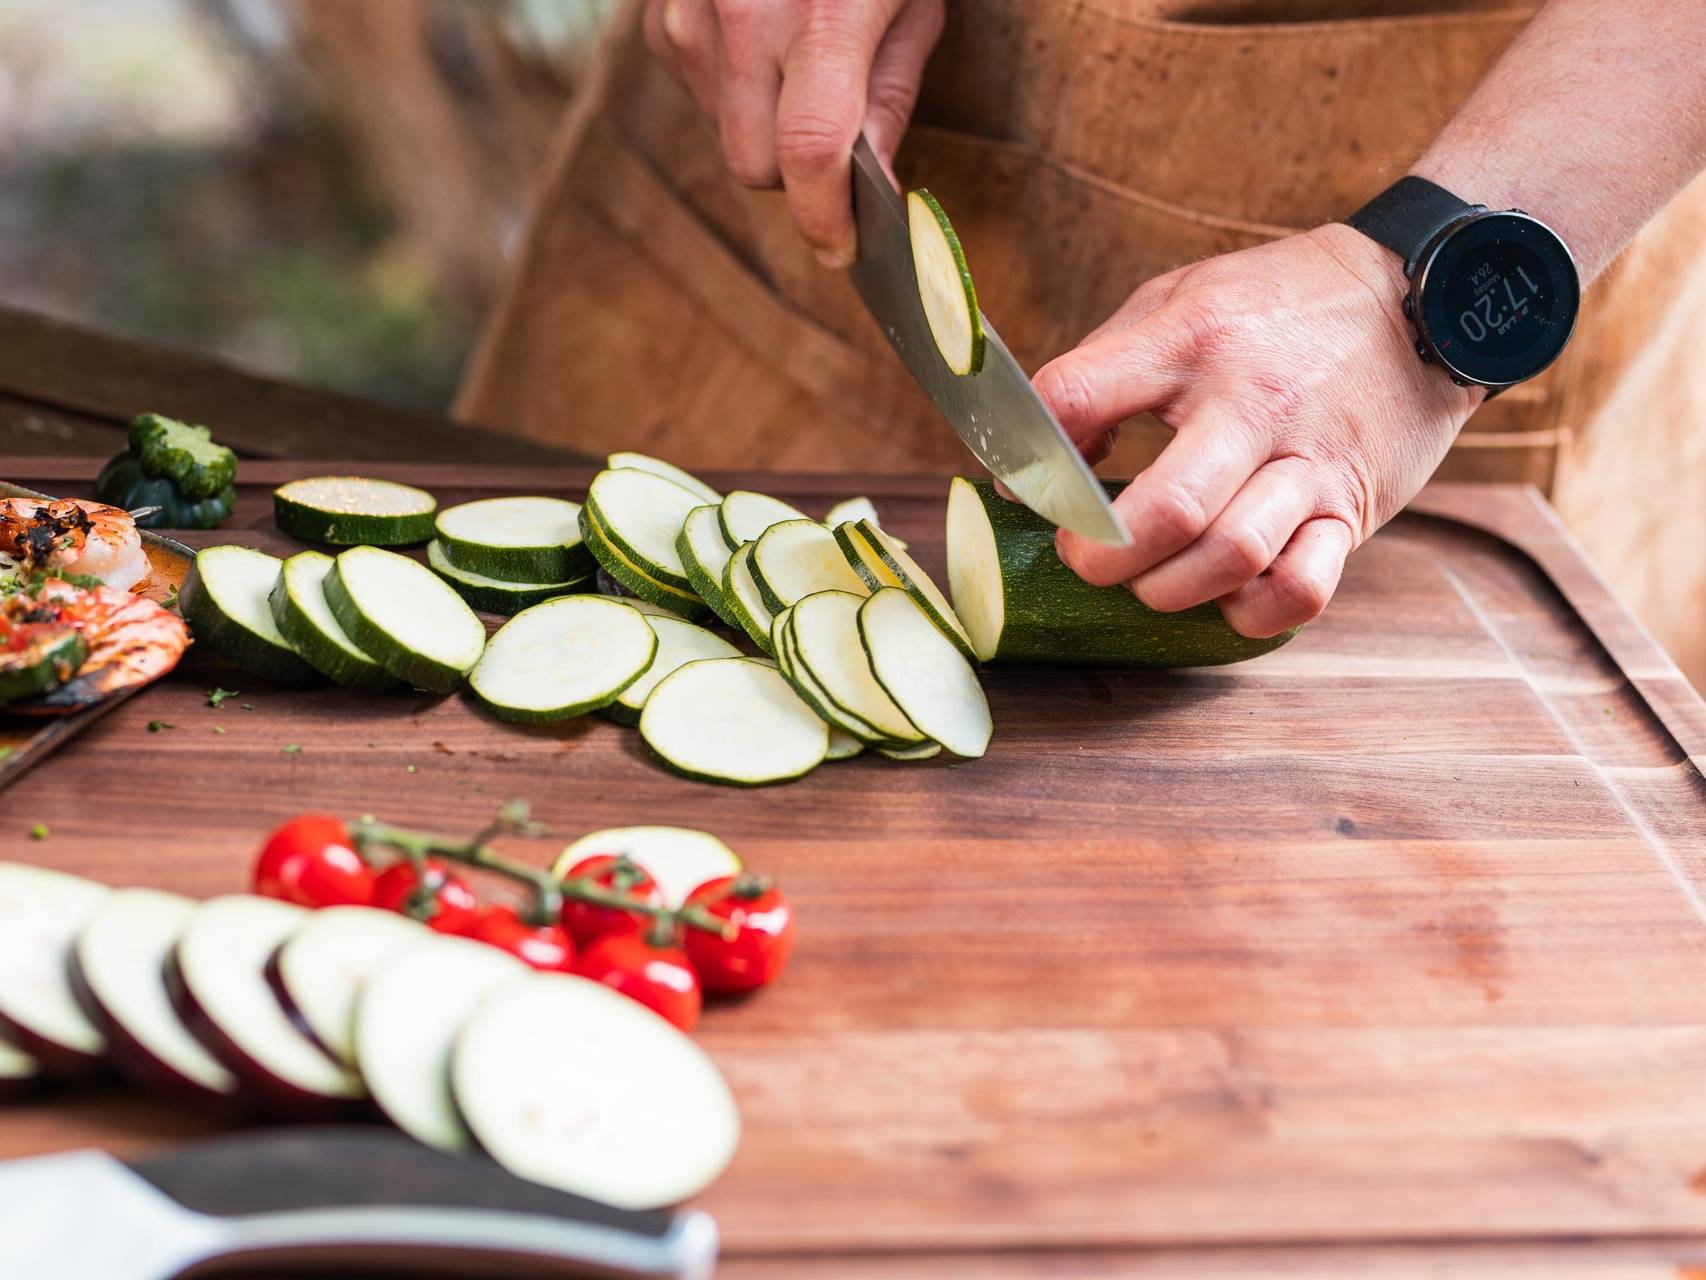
[1384, 954]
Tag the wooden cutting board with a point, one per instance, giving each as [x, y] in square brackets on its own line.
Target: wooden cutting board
[1391, 942]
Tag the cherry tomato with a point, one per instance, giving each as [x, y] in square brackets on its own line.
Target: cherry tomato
[453, 903]
[763, 938]
[312, 861]
[659, 977]
[587, 922]
[544, 946]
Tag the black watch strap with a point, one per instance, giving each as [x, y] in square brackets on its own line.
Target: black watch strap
[1407, 215]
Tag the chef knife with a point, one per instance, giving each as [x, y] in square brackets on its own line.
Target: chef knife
[347, 1196]
[995, 410]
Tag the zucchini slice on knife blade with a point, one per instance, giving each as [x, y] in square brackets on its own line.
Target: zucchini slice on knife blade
[944, 284]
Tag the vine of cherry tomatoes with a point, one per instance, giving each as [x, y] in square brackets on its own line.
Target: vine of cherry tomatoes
[605, 920]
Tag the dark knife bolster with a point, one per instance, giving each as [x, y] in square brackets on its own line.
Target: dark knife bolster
[348, 1166]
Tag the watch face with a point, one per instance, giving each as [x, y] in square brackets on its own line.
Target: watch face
[1497, 298]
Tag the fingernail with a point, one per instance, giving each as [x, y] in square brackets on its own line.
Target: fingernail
[835, 259]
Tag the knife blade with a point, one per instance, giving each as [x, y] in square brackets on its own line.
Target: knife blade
[343, 1195]
[995, 410]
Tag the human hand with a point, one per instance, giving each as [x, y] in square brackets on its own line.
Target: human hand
[791, 83]
[1303, 422]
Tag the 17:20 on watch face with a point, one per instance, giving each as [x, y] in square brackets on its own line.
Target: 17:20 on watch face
[1498, 298]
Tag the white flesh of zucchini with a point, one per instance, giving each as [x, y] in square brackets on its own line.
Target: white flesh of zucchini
[798, 558]
[568, 1083]
[314, 629]
[852, 509]
[925, 751]
[680, 859]
[120, 956]
[17, 1069]
[678, 644]
[705, 555]
[641, 513]
[806, 685]
[944, 285]
[641, 606]
[735, 721]
[645, 462]
[230, 608]
[41, 913]
[924, 672]
[974, 571]
[415, 624]
[406, 1019]
[826, 640]
[516, 535]
[744, 599]
[745, 516]
[323, 966]
[563, 658]
[843, 745]
[920, 586]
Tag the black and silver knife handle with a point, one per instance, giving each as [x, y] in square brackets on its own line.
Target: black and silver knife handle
[358, 1196]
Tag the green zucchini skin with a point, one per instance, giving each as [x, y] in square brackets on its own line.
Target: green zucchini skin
[48, 661]
[238, 645]
[544, 563]
[633, 579]
[419, 670]
[315, 648]
[351, 528]
[1053, 616]
[504, 598]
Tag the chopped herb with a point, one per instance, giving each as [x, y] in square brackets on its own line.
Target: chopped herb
[216, 695]
[413, 769]
[219, 728]
[154, 726]
[39, 831]
[6, 751]
[291, 750]
[171, 598]
[247, 706]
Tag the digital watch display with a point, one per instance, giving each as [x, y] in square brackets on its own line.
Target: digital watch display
[1493, 295]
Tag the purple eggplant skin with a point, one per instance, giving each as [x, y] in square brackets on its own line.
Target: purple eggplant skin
[281, 992]
[60, 1061]
[130, 1058]
[275, 1096]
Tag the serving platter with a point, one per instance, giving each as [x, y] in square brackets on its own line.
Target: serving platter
[27, 740]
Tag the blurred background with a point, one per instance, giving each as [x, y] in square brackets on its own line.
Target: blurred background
[321, 190]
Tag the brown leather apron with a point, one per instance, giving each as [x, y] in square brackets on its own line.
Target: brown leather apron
[1081, 146]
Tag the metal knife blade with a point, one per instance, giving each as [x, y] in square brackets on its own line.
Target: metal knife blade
[995, 411]
[343, 1195]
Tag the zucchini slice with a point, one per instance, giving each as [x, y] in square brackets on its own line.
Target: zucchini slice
[645, 462]
[924, 672]
[849, 509]
[640, 515]
[863, 558]
[814, 697]
[733, 721]
[402, 613]
[798, 558]
[744, 600]
[630, 577]
[705, 555]
[305, 620]
[1019, 603]
[844, 746]
[945, 289]
[37, 656]
[680, 859]
[562, 658]
[495, 595]
[745, 516]
[919, 585]
[679, 643]
[640, 606]
[923, 751]
[526, 540]
[225, 599]
[350, 511]
[826, 643]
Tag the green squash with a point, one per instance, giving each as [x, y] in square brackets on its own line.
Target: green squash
[124, 483]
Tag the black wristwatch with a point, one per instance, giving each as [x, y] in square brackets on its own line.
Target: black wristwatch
[1493, 295]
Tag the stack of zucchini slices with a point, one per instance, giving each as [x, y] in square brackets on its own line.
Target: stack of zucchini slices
[858, 648]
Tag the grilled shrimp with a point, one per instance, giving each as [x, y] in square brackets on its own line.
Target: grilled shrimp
[72, 535]
[131, 641]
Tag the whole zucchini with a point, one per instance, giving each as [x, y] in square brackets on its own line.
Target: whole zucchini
[1021, 604]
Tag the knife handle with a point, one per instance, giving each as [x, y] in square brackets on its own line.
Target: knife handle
[347, 1193]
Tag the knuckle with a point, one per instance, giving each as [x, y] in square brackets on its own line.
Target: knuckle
[1176, 512]
[1066, 390]
[1208, 323]
[1304, 594]
[1239, 552]
[814, 140]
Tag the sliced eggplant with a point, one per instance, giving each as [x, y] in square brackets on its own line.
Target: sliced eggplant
[118, 972]
[406, 1019]
[19, 1072]
[568, 1083]
[41, 914]
[319, 971]
[217, 977]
